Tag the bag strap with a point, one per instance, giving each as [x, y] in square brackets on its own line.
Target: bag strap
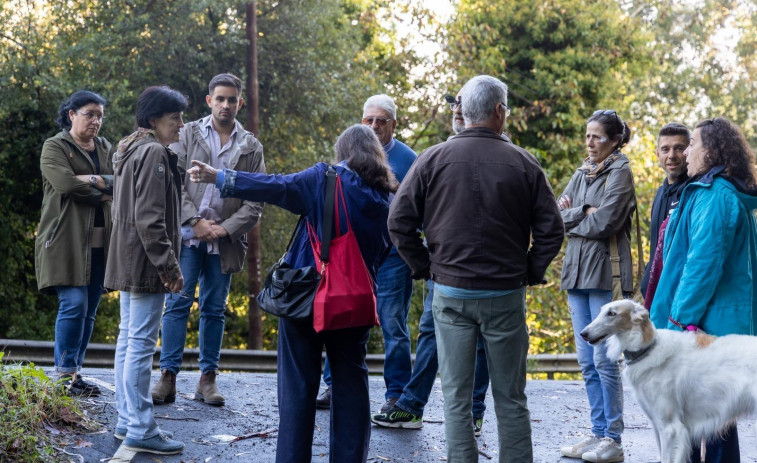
[340, 200]
[615, 255]
[328, 213]
[294, 233]
[639, 267]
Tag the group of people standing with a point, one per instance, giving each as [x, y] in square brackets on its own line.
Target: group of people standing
[703, 251]
[474, 216]
[124, 219]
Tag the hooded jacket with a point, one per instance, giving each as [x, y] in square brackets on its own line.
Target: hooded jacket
[145, 242]
[62, 248]
[710, 258]
[587, 254]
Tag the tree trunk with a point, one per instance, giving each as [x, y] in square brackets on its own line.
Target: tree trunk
[255, 334]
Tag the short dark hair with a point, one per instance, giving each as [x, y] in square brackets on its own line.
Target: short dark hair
[672, 129]
[613, 125]
[74, 102]
[726, 146]
[225, 80]
[156, 101]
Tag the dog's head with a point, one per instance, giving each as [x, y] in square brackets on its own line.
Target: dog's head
[625, 320]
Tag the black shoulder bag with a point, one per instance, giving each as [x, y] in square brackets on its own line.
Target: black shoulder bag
[289, 292]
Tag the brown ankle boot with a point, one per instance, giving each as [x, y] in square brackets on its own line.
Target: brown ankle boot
[207, 391]
[164, 392]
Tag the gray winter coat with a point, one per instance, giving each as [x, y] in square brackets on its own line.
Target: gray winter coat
[587, 255]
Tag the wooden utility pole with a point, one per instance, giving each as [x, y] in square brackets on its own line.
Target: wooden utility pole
[255, 335]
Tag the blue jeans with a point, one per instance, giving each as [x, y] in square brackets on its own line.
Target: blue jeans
[137, 338]
[415, 395]
[299, 370]
[601, 375]
[395, 287]
[196, 264]
[77, 307]
[502, 322]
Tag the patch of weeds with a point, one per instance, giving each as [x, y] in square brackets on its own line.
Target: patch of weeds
[34, 409]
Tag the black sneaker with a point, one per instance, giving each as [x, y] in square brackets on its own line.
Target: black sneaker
[397, 418]
[79, 387]
[389, 404]
[324, 399]
[478, 423]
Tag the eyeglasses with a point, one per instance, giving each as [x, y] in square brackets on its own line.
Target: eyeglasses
[380, 121]
[91, 116]
[507, 109]
[607, 112]
[452, 102]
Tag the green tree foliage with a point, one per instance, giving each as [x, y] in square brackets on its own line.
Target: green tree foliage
[316, 61]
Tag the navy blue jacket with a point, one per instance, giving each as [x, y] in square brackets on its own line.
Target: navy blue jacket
[303, 193]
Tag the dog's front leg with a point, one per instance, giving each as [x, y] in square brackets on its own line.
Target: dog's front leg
[676, 443]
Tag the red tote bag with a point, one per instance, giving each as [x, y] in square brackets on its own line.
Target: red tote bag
[344, 298]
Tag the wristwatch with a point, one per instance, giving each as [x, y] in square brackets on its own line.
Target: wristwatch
[93, 180]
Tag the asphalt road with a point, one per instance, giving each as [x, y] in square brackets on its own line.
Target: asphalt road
[559, 415]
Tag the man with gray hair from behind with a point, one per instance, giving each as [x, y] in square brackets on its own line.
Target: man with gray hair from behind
[492, 226]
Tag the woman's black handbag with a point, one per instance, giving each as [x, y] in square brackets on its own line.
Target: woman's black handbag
[289, 292]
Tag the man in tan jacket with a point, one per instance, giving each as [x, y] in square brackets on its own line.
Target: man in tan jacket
[213, 237]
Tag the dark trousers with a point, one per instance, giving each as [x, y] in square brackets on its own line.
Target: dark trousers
[724, 450]
[299, 374]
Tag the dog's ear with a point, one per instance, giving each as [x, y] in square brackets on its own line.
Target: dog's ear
[639, 315]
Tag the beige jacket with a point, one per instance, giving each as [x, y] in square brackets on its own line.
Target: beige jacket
[237, 217]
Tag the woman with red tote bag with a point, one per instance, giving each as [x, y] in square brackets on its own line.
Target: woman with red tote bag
[366, 182]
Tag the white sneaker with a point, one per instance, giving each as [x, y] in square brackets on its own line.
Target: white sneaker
[608, 451]
[577, 450]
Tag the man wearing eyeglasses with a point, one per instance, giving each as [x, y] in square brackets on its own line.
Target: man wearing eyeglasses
[395, 285]
[492, 227]
[672, 141]
[214, 237]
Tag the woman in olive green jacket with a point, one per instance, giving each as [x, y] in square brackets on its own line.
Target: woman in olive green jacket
[72, 239]
[144, 259]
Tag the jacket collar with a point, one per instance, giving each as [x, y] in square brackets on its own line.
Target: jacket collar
[479, 132]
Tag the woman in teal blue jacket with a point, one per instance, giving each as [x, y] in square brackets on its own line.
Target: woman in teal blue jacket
[710, 250]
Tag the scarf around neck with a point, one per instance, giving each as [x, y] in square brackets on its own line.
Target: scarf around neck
[592, 170]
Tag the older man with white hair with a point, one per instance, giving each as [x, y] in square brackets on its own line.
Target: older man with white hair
[492, 226]
[395, 285]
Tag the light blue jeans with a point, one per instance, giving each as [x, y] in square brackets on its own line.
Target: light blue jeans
[137, 338]
[502, 322]
[77, 307]
[196, 265]
[601, 375]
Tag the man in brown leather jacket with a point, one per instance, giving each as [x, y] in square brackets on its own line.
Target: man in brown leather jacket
[213, 237]
[492, 226]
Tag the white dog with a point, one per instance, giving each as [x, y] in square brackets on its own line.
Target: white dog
[690, 385]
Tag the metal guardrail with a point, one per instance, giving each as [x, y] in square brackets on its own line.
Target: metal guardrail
[103, 355]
